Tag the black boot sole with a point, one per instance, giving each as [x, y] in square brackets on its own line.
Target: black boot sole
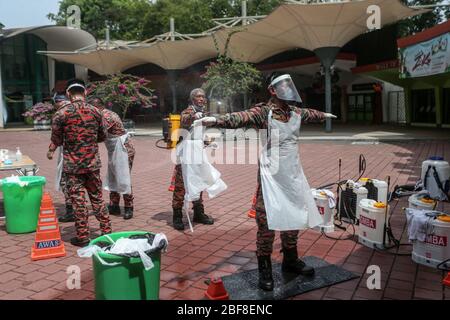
[80, 244]
[208, 223]
[265, 288]
[66, 220]
[179, 228]
[307, 274]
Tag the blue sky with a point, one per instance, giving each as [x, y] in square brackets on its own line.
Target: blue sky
[26, 13]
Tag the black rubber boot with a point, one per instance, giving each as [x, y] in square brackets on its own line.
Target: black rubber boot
[265, 273]
[178, 219]
[200, 216]
[114, 210]
[292, 264]
[69, 216]
[128, 213]
[80, 243]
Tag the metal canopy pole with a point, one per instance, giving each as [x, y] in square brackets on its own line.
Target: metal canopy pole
[172, 73]
[327, 56]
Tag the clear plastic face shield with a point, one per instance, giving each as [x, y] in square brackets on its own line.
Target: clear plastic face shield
[285, 89]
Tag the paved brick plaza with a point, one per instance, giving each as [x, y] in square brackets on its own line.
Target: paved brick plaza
[228, 246]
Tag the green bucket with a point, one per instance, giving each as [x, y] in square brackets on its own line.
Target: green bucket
[22, 204]
[128, 280]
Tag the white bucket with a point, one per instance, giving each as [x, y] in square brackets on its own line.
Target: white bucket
[371, 223]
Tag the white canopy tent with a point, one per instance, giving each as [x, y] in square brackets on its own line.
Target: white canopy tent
[320, 27]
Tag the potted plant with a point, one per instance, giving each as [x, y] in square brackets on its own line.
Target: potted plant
[42, 114]
[227, 78]
[122, 92]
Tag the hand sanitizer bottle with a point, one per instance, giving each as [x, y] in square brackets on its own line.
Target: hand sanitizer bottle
[18, 155]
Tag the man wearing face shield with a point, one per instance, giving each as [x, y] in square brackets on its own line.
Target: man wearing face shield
[59, 101]
[195, 111]
[284, 200]
[79, 127]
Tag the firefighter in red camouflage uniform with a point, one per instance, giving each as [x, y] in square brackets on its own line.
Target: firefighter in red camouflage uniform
[282, 111]
[194, 112]
[78, 127]
[59, 102]
[115, 128]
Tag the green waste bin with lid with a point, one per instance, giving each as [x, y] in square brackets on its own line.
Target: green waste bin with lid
[128, 280]
[22, 203]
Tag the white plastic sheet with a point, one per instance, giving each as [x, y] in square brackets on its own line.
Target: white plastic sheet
[126, 246]
[16, 179]
[118, 178]
[199, 174]
[59, 168]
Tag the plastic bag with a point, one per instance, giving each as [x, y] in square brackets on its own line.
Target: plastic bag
[138, 246]
[16, 180]
[198, 173]
[118, 178]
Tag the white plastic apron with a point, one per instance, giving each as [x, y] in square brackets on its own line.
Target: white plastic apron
[59, 168]
[118, 178]
[198, 173]
[288, 200]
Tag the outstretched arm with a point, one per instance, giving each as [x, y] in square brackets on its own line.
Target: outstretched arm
[312, 115]
[254, 117]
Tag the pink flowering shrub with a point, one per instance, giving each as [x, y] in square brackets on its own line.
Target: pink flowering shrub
[40, 111]
[123, 90]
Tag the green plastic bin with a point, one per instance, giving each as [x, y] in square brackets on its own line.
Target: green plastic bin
[128, 280]
[22, 204]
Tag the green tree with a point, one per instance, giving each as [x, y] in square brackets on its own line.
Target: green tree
[191, 16]
[194, 16]
[425, 21]
[226, 78]
[1, 26]
[125, 17]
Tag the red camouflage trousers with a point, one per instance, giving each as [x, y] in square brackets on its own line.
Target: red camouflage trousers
[266, 237]
[178, 194]
[77, 185]
[128, 199]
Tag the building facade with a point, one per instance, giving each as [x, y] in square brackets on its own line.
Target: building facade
[27, 77]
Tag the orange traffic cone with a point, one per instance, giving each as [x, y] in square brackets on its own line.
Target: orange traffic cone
[48, 243]
[252, 211]
[46, 200]
[172, 183]
[216, 290]
[446, 281]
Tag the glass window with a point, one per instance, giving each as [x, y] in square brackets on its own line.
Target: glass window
[24, 73]
[446, 106]
[423, 106]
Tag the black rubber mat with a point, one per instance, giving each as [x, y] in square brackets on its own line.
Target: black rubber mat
[244, 285]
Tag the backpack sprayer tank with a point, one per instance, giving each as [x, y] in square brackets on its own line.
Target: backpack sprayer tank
[372, 231]
[436, 177]
[325, 210]
[436, 248]
[170, 127]
[421, 200]
[377, 189]
[350, 195]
